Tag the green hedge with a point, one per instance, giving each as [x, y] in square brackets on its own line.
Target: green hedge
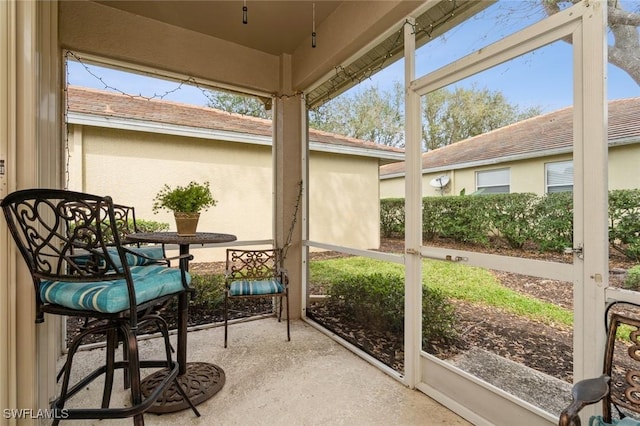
[150, 226]
[624, 222]
[378, 300]
[392, 217]
[519, 220]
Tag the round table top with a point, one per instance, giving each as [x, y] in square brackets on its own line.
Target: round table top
[174, 238]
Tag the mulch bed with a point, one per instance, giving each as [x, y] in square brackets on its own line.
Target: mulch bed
[540, 346]
[537, 345]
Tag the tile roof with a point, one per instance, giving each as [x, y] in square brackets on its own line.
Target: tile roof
[110, 104]
[552, 132]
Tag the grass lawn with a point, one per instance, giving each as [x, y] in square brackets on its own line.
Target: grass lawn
[457, 281]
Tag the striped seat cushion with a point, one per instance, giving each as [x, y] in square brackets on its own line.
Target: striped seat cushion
[255, 287]
[150, 282]
[154, 252]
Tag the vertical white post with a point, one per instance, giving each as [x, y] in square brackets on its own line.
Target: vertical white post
[413, 216]
[590, 189]
[8, 254]
[304, 201]
[288, 122]
[50, 173]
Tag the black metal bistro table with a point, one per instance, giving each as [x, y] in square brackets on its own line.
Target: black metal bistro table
[200, 380]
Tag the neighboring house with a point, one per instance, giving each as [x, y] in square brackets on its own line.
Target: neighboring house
[533, 155]
[129, 147]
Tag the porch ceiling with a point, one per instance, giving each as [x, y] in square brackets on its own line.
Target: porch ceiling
[355, 39]
[273, 27]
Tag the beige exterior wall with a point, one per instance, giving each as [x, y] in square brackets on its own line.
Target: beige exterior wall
[344, 205]
[392, 188]
[132, 167]
[624, 167]
[525, 175]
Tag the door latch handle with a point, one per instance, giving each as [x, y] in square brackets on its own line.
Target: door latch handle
[575, 250]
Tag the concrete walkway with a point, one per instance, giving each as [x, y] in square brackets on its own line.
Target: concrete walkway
[311, 380]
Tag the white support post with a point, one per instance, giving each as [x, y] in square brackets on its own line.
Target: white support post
[413, 216]
[590, 189]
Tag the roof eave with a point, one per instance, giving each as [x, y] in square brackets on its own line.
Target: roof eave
[120, 123]
[507, 159]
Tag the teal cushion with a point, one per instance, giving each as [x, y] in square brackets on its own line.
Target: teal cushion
[150, 282]
[155, 252]
[255, 288]
[599, 421]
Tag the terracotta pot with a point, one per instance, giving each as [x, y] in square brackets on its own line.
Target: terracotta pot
[186, 223]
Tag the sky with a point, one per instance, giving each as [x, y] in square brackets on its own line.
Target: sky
[541, 79]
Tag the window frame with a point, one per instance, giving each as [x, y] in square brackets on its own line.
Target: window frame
[507, 185]
[546, 177]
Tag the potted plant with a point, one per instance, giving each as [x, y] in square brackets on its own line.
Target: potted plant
[186, 203]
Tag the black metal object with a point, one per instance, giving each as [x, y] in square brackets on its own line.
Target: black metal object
[255, 265]
[200, 380]
[125, 221]
[618, 388]
[50, 227]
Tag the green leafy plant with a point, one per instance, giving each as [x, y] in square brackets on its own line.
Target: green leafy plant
[143, 225]
[632, 281]
[209, 290]
[193, 198]
[624, 222]
[392, 217]
[511, 216]
[377, 300]
[454, 280]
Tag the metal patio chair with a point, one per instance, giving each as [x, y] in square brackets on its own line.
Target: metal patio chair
[125, 221]
[255, 274]
[618, 388]
[79, 267]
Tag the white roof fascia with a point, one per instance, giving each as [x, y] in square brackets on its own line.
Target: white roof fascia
[198, 132]
[167, 129]
[352, 150]
[392, 176]
[518, 157]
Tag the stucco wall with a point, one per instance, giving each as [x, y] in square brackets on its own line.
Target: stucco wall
[344, 203]
[132, 167]
[525, 175]
[624, 167]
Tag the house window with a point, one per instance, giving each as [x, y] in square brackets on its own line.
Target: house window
[493, 181]
[558, 176]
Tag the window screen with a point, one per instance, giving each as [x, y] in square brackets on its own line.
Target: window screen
[559, 176]
[493, 181]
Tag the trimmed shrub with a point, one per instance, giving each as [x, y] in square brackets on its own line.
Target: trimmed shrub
[462, 218]
[209, 290]
[553, 225]
[511, 216]
[624, 222]
[377, 300]
[373, 299]
[392, 217]
[438, 317]
[150, 226]
[518, 219]
[632, 281]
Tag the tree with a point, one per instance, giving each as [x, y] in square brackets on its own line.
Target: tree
[240, 104]
[623, 24]
[378, 116]
[452, 116]
[369, 114]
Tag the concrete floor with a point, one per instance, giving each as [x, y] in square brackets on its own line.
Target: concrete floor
[311, 380]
